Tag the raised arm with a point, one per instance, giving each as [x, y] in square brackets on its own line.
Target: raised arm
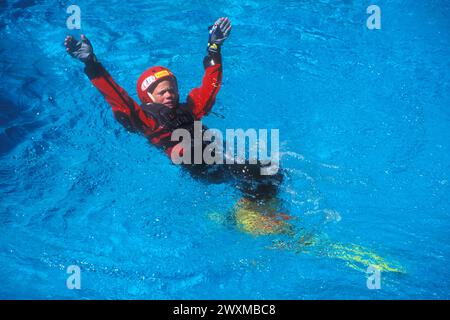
[201, 99]
[125, 109]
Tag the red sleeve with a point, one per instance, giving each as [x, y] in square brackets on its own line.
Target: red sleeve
[201, 99]
[125, 109]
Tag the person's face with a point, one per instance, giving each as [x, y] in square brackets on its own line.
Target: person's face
[166, 93]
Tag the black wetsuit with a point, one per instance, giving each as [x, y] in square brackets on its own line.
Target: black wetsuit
[246, 177]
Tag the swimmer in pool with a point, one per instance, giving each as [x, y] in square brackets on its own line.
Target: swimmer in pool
[160, 113]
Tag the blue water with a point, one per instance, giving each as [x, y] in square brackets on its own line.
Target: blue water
[365, 140]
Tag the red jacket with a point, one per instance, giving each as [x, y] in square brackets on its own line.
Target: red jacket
[199, 101]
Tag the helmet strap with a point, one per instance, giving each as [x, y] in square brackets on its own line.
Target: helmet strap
[151, 96]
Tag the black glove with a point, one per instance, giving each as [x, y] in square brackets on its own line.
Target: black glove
[81, 50]
[218, 33]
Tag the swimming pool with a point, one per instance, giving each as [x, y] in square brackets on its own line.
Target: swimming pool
[364, 129]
